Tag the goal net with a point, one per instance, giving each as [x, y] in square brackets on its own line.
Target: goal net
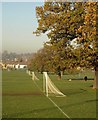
[49, 87]
[34, 76]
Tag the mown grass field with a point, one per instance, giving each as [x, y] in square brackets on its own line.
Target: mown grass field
[23, 99]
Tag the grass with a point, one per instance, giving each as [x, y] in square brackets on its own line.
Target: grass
[23, 99]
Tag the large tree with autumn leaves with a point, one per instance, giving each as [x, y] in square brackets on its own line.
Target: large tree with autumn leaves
[88, 38]
[63, 22]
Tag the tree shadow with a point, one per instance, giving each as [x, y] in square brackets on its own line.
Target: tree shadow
[33, 112]
[70, 92]
[79, 103]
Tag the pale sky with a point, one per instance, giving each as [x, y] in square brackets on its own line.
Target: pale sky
[18, 23]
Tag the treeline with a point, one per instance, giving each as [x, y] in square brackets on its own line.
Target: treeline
[12, 56]
[64, 22]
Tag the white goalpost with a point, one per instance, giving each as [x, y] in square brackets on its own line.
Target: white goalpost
[34, 76]
[28, 72]
[49, 87]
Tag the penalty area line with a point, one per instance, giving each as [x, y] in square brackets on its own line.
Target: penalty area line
[58, 108]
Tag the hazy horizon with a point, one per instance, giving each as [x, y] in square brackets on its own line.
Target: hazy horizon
[18, 23]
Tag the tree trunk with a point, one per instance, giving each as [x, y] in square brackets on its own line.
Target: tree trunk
[59, 76]
[58, 72]
[95, 85]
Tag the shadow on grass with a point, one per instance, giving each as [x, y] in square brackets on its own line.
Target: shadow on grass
[70, 92]
[34, 113]
[80, 103]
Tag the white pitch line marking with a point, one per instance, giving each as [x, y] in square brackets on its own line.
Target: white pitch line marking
[53, 103]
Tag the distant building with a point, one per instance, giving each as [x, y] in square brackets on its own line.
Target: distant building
[20, 66]
[23, 66]
[12, 65]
